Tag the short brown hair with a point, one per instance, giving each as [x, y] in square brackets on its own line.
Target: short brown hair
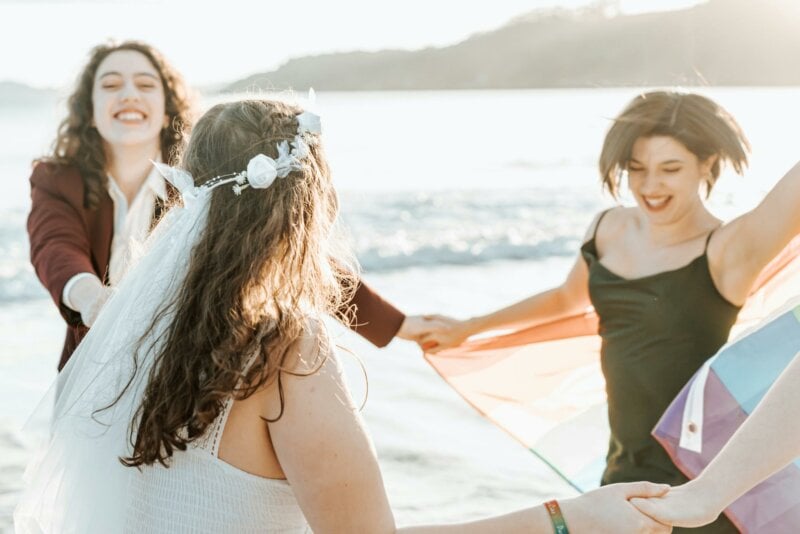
[704, 127]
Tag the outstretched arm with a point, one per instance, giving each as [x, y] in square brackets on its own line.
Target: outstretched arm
[765, 443]
[59, 243]
[603, 511]
[379, 322]
[372, 317]
[570, 297]
[748, 243]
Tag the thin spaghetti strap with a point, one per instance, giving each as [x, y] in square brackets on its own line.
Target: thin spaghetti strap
[708, 239]
[600, 218]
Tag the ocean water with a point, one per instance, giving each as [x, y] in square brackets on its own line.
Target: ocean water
[455, 202]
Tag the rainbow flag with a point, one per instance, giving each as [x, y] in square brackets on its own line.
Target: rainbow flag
[718, 399]
[544, 387]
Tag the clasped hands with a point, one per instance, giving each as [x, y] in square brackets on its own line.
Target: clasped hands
[640, 507]
[433, 333]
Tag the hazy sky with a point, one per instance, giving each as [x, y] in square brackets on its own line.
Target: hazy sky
[45, 43]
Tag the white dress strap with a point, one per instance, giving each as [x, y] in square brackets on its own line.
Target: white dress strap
[212, 438]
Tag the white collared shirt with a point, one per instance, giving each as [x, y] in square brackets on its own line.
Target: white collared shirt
[131, 226]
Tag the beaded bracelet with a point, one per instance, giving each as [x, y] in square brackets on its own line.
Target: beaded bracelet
[559, 525]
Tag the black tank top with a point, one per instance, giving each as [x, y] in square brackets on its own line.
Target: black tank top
[656, 332]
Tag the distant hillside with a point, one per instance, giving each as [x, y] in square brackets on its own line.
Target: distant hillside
[722, 42]
[17, 94]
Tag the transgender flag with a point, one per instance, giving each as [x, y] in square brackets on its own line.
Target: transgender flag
[718, 399]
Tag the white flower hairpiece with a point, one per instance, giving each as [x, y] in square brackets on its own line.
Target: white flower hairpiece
[309, 123]
[262, 170]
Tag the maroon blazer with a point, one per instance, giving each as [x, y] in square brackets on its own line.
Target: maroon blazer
[66, 239]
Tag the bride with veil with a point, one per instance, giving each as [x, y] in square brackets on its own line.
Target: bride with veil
[208, 396]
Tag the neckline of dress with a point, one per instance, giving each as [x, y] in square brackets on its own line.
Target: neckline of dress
[593, 252]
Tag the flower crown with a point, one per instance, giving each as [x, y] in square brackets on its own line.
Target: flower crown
[261, 171]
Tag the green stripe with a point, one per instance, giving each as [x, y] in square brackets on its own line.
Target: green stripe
[796, 313]
[557, 471]
[559, 525]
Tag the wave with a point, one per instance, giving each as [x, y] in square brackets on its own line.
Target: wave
[396, 231]
[380, 258]
[17, 280]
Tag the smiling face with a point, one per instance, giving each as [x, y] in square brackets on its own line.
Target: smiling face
[665, 178]
[128, 101]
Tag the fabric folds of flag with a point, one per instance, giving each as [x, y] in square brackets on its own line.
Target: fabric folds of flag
[543, 385]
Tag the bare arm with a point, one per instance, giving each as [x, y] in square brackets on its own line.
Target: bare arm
[748, 243]
[570, 297]
[329, 460]
[602, 511]
[771, 435]
[324, 449]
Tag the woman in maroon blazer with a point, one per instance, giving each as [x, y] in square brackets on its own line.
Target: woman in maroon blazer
[97, 193]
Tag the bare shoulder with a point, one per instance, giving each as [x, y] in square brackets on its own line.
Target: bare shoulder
[310, 349]
[309, 363]
[611, 222]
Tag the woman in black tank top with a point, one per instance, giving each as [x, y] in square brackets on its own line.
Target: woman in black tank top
[666, 278]
[657, 330]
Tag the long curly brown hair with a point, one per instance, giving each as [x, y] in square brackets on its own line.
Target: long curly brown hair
[266, 263]
[78, 143]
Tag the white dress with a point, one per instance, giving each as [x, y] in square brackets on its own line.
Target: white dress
[201, 493]
[75, 482]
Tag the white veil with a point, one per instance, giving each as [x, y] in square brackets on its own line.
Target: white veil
[76, 482]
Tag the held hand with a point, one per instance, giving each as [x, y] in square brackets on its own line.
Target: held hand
[446, 333]
[87, 297]
[683, 506]
[92, 308]
[607, 510]
[415, 327]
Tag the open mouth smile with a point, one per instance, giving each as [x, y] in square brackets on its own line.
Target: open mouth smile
[656, 203]
[130, 116]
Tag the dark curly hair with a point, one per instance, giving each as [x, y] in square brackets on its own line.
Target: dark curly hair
[264, 267]
[78, 143]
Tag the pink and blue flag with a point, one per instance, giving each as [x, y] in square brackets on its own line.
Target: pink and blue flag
[717, 401]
